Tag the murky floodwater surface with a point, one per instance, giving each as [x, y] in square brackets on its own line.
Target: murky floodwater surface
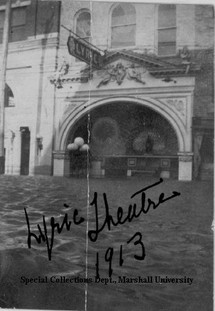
[177, 240]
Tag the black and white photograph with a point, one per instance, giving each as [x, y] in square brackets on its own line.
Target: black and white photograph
[106, 155]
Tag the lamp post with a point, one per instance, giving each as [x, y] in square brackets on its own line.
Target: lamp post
[6, 33]
[78, 148]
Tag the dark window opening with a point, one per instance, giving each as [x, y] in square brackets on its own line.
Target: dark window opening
[25, 150]
[18, 24]
[166, 30]
[83, 27]
[9, 98]
[123, 26]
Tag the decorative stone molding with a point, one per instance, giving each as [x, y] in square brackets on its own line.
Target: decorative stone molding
[117, 73]
[185, 156]
[69, 107]
[56, 79]
[185, 166]
[179, 104]
[154, 65]
[60, 155]
[63, 76]
[185, 55]
[170, 114]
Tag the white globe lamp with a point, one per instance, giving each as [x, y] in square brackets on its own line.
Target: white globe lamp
[79, 141]
[72, 147]
[85, 147]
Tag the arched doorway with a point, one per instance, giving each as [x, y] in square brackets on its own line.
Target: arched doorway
[124, 139]
[127, 131]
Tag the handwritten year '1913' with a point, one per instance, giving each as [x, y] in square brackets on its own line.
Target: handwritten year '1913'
[121, 218]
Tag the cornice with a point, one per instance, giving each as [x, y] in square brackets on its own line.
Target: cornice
[32, 44]
[155, 65]
[186, 64]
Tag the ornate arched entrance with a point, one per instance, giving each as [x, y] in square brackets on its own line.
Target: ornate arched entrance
[161, 122]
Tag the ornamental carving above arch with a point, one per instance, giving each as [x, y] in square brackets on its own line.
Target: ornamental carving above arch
[179, 105]
[118, 72]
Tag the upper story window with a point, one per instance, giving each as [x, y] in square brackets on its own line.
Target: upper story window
[17, 26]
[166, 29]
[18, 22]
[123, 25]
[83, 25]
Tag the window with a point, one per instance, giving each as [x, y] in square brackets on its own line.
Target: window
[83, 23]
[9, 98]
[123, 26]
[2, 13]
[166, 29]
[83, 26]
[18, 21]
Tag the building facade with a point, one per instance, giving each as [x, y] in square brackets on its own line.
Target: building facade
[143, 101]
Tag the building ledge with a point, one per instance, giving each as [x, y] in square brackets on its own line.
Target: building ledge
[32, 43]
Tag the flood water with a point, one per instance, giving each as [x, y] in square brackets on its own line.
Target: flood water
[176, 236]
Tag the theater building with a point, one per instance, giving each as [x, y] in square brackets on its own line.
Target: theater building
[139, 94]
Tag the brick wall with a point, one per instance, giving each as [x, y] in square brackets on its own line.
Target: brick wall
[204, 26]
[204, 90]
